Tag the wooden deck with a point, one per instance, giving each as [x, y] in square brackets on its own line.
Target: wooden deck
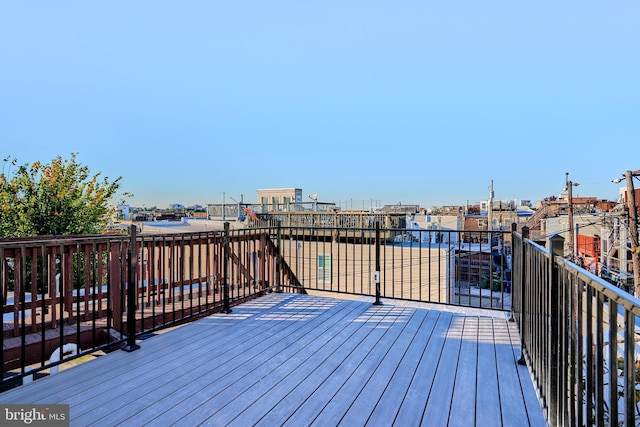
[288, 359]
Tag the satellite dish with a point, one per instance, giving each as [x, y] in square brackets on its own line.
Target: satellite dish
[314, 196]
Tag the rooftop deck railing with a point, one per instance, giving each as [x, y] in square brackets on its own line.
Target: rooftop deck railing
[72, 296]
[67, 297]
[579, 337]
[438, 266]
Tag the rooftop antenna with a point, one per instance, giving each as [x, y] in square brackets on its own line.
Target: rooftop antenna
[314, 197]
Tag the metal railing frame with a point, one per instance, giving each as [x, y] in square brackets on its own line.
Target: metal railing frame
[119, 288]
[397, 263]
[135, 284]
[585, 371]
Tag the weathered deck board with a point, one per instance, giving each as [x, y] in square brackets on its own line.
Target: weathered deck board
[356, 389]
[531, 400]
[438, 408]
[287, 359]
[463, 407]
[369, 397]
[411, 411]
[389, 403]
[255, 379]
[510, 391]
[488, 396]
[228, 365]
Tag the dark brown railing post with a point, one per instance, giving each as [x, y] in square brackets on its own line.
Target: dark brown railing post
[556, 245]
[3, 286]
[225, 267]
[376, 274]
[523, 312]
[131, 292]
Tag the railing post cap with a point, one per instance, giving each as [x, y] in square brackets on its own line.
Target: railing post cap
[556, 244]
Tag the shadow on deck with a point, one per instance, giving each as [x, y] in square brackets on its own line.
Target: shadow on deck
[291, 359]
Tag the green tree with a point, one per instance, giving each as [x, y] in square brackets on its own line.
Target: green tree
[59, 198]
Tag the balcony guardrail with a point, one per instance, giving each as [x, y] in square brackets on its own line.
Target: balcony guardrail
[67, 297]
[579, 337]
[466, 268]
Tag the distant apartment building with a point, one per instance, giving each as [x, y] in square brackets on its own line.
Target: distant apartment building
[400, 209]
[279, 199]
[499, 216]
[290, 200]
[123, 212]
[269, 201]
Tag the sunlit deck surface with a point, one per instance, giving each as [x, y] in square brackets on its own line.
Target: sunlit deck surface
[289, 359]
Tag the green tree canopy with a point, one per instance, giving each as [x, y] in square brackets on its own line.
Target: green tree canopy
[59, 198]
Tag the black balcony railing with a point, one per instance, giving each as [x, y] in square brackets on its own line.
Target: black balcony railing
[437, 266]
[67, 297]
[578, 336]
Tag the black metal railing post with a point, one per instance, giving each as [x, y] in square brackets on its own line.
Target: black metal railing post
[556, 246]
[278, 257]
[512, 315]
[132, 264]
[225, 267]
[523, 311]
[376, 274]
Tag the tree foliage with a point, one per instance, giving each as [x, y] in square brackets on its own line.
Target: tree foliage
[60, 198]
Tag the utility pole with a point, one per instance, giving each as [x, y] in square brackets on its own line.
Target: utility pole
[569, 186]
[490, 210]
[238, 203]
[633, 228]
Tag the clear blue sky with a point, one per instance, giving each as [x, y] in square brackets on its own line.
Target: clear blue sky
[419, 102]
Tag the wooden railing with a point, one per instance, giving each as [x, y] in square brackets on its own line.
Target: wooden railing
[72, 293]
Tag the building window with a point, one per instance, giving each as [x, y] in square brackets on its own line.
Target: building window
[481, 223]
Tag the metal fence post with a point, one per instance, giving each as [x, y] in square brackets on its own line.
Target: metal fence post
[512, 315]
[556, 246]
[225, 267]
[376, 274]
[523, 311]
[131, 292]
[278, 258]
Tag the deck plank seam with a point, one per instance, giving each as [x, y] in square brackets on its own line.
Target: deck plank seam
[255, 356]
[273, 360]
[370, 313]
